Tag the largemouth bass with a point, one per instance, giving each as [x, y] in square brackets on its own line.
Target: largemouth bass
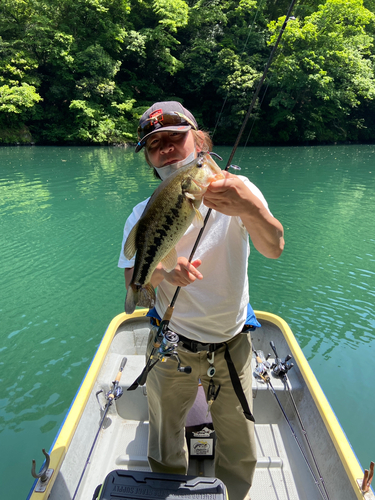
[173, 206]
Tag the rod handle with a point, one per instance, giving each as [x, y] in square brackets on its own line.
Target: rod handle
[122, 366]
[168, 314]
[273, 347]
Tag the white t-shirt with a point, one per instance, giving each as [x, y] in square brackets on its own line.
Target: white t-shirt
[212, 309]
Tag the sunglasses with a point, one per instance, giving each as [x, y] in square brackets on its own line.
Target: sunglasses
[158, 119]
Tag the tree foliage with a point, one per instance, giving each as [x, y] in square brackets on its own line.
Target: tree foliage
[323, 73]
[84, 71]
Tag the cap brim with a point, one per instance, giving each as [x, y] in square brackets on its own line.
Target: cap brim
[175, 128]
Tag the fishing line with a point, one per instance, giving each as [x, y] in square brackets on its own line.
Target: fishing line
[252, 125]
[255, 96]
[243, 50]
[260, 105]
[252, 104]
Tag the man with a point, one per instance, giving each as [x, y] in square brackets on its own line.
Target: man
[212, 308]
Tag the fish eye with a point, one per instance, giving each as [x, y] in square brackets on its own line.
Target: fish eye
[200, 163]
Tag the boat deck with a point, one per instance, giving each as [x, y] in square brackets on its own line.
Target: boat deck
[281, 472]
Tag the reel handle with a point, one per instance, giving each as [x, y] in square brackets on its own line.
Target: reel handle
[184, 369]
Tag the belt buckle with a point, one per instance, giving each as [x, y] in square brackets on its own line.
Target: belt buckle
[202, 347]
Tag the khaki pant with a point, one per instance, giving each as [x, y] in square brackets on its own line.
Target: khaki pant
[171, 394]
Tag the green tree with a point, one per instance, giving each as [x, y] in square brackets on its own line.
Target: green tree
[68, 51]
[85, 70]
[222, 50]
[322, 74]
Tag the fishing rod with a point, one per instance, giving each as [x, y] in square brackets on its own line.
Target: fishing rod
[114, 393]
[240, 133]
[280, 369]
[165, 344]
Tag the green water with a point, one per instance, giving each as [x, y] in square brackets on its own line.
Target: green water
[62, 212]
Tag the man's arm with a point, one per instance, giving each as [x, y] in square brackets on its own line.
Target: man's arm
[231, 196]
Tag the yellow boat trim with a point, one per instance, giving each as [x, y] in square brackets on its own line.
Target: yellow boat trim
[339, 439]
[66, 434]
[57, 455]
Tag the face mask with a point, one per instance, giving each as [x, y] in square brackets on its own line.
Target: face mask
[166, 171]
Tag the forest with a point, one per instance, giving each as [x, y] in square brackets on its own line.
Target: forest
[84, 71]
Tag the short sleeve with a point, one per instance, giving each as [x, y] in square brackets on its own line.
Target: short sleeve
[256, 191]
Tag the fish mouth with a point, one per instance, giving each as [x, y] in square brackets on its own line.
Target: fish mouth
[202, 184]
[215, 176]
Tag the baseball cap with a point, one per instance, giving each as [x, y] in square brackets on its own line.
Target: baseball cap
[164, 116]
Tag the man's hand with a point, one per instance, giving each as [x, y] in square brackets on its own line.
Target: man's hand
[182, 275]
[231, 196]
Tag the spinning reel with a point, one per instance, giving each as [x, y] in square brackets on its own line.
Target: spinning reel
[280, 367]
[166, 343]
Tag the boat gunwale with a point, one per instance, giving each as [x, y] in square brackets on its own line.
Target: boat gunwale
[68, 427]
[336, 432]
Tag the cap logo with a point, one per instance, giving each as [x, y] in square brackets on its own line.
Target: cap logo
[156, 117]
[156, 113]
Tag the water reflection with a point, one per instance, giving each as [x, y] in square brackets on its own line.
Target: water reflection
[23, 195]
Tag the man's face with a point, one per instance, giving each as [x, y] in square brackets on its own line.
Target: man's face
[165, 148]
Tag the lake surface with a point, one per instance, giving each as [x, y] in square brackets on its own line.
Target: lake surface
[62, 212]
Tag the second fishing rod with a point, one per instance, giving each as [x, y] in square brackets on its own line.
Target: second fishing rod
[280, 368]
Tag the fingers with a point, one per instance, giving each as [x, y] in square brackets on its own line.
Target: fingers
[192, 271]
[185, 272]
[228, 196]
[209, 203]
[196, 263]
[221, 184]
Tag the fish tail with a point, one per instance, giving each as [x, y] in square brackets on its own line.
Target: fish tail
[131, 298]
[139, 295]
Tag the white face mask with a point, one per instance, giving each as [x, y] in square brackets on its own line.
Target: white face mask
[166, 171]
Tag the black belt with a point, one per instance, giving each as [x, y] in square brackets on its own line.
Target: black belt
[195, 346]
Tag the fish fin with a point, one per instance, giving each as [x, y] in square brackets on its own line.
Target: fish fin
[146, 296]
[129, 247]
[198, 219]
[170, 261]
[138, 295]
